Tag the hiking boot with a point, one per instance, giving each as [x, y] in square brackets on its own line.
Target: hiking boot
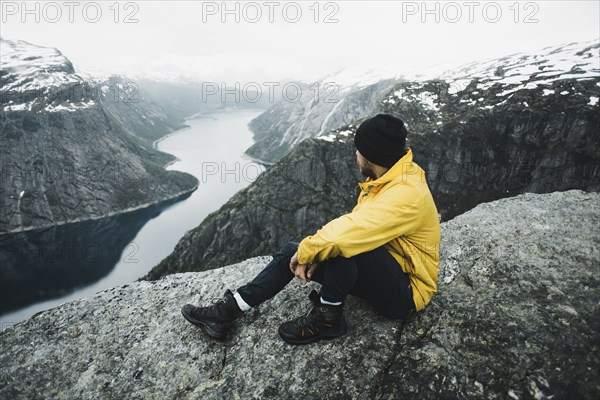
[322, 321]
[214, 320]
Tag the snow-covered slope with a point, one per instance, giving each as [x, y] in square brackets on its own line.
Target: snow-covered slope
[551, 80]
[31, 67]
[34, 77]
[39, 79]
[365, 91]
[574, 60]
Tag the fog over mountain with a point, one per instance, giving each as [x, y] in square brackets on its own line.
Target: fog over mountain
[76, 147]
[353, 93]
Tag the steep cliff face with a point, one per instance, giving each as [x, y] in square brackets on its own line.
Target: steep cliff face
[286, 202]
[327, 105]
[66, 155]
[532, 126]
[516, 316]
[150, 109]
[138, 112]
[354, 93]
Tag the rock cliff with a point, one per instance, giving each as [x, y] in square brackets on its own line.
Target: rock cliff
[321, 108]
[66, 154]
[292, 199]
[516, 316]
[509, 133]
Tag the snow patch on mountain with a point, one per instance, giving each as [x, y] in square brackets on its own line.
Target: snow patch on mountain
[490, 83]
[365, 90]
[40, 78]
[529, 70]
[339, 135]
[28, 67]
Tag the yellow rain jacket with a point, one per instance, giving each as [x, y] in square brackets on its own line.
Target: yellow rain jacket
[397, 211]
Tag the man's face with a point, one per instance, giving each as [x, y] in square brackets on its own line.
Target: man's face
[366, 168]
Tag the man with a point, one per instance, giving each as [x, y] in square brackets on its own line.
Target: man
[385, 250]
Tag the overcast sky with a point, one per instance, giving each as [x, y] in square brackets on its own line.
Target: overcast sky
[190, 38]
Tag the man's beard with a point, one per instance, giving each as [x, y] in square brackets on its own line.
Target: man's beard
[367, 171]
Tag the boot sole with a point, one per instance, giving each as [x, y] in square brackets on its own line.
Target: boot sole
[315, 338]
[205, 328]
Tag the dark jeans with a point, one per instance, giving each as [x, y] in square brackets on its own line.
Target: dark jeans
[375, 276]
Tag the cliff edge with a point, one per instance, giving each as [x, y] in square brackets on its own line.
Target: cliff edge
[516, 316]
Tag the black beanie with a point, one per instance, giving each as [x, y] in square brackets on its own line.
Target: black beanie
[381, 139]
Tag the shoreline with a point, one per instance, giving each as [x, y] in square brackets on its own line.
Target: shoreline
[111, 214]
[154, 143]
[266, 164]
[30, 228]
[175, 160]
[162, 205]
[130, 209]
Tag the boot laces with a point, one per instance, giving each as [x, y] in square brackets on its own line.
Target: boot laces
[305, 320]
[216, 300]
[310, 321]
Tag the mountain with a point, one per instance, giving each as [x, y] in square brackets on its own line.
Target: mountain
[491, 136]
[288, 201]
[475, 145]
[516, 316]
[354, 93]
[317, 111]
[73, 150]
[151, 108]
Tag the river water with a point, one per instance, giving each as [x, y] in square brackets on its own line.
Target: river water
[69, 262]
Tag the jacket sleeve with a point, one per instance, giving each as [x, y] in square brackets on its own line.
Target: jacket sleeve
[390, 215]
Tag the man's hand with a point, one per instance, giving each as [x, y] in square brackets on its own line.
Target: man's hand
[298, 269]
[304, 272]
[311, 270]
[294, 262]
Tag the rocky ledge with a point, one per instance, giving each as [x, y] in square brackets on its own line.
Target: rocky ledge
[517, 316]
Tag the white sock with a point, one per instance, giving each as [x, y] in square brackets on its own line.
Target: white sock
[329, 303]
[240, 302]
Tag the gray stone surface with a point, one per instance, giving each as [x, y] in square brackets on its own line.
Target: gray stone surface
[516, 316]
